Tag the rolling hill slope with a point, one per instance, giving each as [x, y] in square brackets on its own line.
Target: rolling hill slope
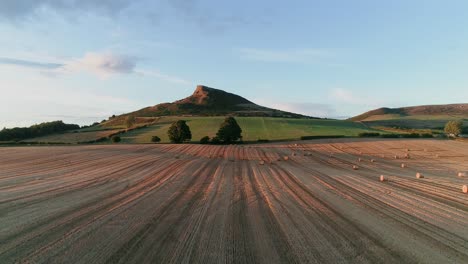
[415, 117]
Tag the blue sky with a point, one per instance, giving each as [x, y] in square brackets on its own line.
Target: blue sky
[82, 61]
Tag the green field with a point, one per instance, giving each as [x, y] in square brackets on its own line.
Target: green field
[253, 128]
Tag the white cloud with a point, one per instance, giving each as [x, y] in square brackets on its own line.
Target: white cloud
[291, 55]
[100, 64]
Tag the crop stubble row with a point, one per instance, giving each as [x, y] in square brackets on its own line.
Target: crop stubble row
[218, 204]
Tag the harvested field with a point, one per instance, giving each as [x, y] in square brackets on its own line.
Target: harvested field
[219, 204]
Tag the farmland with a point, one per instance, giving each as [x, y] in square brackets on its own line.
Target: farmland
[295, 202]
[253, 128]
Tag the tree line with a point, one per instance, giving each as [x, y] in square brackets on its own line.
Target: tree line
[42, 129]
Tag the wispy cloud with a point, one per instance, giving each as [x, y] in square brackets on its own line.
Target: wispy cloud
[102, 65]
[15, 10]
[29, 64]
[290, 55]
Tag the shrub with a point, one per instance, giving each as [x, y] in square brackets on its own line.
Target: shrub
[368, 134]
[229, 131]
[453, 128]
[205, 140]
[179, 132]
[116, 139]
[155, 139]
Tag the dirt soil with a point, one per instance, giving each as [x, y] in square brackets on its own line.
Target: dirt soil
[221, 204]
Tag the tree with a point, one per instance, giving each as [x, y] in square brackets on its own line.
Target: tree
[179, 132]
[215, 141]
[155, 139]
[229, 131]
[453, 128]
[205, 140]
[116, 139]
[129, 121]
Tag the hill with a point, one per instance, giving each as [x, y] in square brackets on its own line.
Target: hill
[429, 117]
[206, 101]
[450, 110]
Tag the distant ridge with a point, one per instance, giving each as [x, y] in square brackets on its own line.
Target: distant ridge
[423, 110]
[207, 101]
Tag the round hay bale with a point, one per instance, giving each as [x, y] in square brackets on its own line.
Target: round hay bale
[372, 160]
[359, 159]
[403, 165]
[360, 152]
[407, 149]
[396, 157]
[407, 156]
[382, 178]
[419, 176]
[286, 158]
[462, 174]
[262, 162]
[355, 167]
[294, 154]
[465, 188]
[295, 145]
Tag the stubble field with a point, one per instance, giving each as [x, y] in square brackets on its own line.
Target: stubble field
[272, 203]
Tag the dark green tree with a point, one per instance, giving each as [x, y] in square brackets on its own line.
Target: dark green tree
[116, 139]
[205, 140]
[229, 131]
[453, 128]
[179, 132]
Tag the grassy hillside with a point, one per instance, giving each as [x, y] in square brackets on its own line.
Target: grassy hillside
[434, 123]
[432, 117]
[254, 128]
